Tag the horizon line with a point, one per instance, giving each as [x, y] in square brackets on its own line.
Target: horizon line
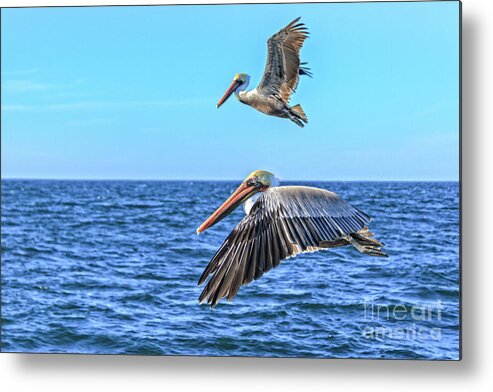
[217, 180]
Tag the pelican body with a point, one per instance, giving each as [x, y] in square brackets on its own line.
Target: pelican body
[280, 222]
[280, 79]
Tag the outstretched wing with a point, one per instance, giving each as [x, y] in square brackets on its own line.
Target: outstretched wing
[283, 222]
[282, 70]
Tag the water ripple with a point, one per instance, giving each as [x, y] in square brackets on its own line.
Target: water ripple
[112, 267]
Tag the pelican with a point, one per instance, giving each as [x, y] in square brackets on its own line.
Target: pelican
[280, 78]
[280, 222]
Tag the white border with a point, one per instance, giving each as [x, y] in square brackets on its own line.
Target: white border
[473, 373]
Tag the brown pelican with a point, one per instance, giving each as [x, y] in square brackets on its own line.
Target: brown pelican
[280, 222]
[280, 78]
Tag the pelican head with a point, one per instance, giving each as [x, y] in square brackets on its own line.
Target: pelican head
[240, 83]
[257, 181]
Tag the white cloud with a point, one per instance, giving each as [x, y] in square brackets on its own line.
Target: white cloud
[19, 86]
[97, 105]
[20, 72]
[78, 123]
[22, 86]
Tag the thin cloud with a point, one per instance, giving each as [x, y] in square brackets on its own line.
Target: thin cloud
[78, 123]
[19, 86]
[104, 105]
[23, 86]
[21, 72]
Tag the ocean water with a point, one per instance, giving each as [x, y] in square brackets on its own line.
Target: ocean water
[112, 267]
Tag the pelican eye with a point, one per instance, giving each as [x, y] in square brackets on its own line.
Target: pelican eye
[252, 181]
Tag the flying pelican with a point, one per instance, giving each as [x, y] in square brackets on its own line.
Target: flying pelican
[280, 78]
[280, 222]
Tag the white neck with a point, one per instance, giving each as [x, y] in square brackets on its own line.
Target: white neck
[248, 204]
[241, 89]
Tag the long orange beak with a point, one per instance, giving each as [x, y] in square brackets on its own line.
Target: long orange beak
[228, 93]
[243, 192]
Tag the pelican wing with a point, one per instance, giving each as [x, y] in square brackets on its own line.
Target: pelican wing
[282, 70]
[282, 223]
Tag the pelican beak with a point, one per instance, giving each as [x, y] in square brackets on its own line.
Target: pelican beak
[234, 85]
[243, 192]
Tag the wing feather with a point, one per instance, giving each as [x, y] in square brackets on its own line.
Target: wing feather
[282, 223]
[281, 75]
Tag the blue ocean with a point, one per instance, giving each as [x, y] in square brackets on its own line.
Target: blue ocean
[111, 267]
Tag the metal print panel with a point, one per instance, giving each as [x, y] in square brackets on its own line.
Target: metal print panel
[267, 180]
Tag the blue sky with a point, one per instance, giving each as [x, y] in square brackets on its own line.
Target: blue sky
[130, 92]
